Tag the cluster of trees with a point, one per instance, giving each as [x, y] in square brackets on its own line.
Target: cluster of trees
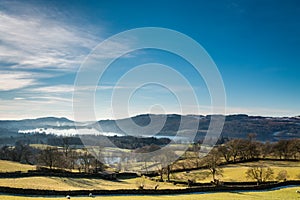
[163, 161]
[236, 150]
[82, 160]
[21, 152]
[54, 157]
[131, 142]
[261, 174]
[246, 149]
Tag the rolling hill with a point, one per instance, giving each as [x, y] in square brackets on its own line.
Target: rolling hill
[236, 126]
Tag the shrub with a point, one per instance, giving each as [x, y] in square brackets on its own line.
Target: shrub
[282, 175]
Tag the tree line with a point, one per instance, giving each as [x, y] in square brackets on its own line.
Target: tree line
[246, 149]
[64, 157]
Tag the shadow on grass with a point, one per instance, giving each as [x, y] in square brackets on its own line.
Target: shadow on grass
[242, 193]
[90, 183]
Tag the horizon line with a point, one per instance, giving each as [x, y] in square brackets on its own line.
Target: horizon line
[140, 114]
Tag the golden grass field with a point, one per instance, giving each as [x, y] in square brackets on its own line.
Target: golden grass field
[233, 172]
[282, 194]
[8, 166]
[236, 172]
[56, 183]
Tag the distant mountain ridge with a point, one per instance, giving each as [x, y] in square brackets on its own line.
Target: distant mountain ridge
[35, 123]
[236, 126]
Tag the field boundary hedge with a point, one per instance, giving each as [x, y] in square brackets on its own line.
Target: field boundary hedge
[35, 192]
[33, 173]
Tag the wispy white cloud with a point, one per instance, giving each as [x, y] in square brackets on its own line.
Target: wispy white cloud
[15, 80]
[64, 89]
[34, 37]
[51, 98]
[21, 108]
[52, 89]
[18, 98]
[38, 42]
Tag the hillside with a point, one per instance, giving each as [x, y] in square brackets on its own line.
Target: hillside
[236, 126]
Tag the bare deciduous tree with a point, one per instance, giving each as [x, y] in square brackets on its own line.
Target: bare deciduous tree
[164, 163]
[225, 152]
[85, 160]
[49, 157]
[212, 161]
[260, 173]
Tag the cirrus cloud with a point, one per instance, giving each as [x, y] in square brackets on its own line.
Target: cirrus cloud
[15, 80]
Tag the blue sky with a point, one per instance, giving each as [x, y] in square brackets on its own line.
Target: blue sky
[255, 45]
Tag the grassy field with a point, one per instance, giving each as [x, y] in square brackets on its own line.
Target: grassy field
[236, 172]
[282, 194]
[8, 166]
[56, 183]
[232, 172]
